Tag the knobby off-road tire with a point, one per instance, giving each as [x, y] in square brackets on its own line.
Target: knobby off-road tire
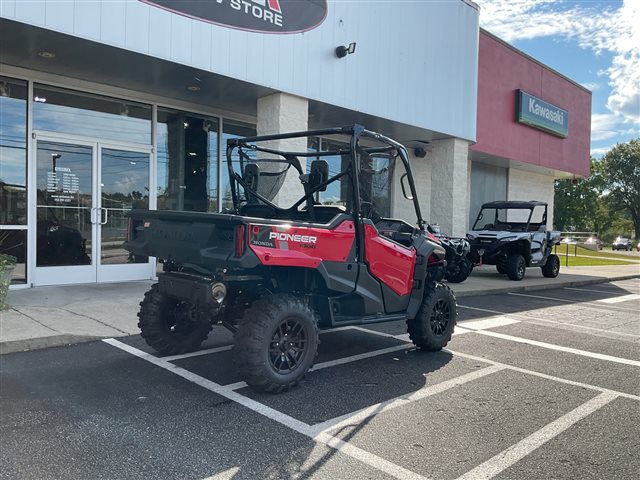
[432, 327]
[516, 267]
[501, 269]
[170, 326]
[460, 272]
[551, 269]
[276, 343]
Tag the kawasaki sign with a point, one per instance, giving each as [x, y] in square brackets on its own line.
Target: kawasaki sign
[265, 16]
[537, 113]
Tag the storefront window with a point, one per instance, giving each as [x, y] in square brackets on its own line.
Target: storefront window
[13, 152]
[336, 192]
[13, 173]
[95, 116]
[187, 162]
[231, 130]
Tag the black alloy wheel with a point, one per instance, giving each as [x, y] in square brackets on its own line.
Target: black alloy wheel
[551, 269]
[516, 267]
[432, 327]
[288, 345]
[440, 317]
[276, 342]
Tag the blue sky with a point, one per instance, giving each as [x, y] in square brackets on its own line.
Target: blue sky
[595, 43]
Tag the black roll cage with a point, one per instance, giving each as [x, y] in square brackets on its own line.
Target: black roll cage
[355, 131]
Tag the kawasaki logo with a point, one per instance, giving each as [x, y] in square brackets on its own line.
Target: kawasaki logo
[267, 16]
[285, 237]
[555, 115]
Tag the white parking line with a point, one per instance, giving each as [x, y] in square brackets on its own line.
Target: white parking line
[226, 475]
[544, 375]
[354, 418]
[224, 348]
[525, 319]
[517, 452]
[556, 299]
[607, 292]
[491, 322]
[268, 412]
[173, 358]
[339, 361]
[559, 348]
[623, 298]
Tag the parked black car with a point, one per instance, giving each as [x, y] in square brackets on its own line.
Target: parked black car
[621, 243]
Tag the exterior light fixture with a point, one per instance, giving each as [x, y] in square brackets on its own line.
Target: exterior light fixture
[193, 88]
[343, 51]
[45, 54]
[40, 99]
[5, 91]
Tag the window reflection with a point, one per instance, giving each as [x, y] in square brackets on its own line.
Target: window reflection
[187, 162]
[13, 152]
[88, 115]
[14, 242]
[64, 200]
[231, 129]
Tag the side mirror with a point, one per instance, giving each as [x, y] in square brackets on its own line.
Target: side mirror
[319, 174]
[404, 191]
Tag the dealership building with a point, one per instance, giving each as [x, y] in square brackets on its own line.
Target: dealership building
[111, 105]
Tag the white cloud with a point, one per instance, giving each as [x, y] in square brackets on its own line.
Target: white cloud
[593, 86]
[613, 30]
[598, 152]
[604, 126]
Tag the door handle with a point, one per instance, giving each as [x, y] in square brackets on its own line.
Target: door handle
[106, 216]
[92, 215]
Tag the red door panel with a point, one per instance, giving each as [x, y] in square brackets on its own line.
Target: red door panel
[389, 262]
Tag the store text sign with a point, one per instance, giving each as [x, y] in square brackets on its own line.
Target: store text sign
[265, 16]
[537, 113]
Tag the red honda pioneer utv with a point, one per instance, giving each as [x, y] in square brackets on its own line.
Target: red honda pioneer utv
[305, 245]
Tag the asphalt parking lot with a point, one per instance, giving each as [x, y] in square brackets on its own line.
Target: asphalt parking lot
[541, 385]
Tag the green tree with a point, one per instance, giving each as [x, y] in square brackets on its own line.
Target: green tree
[621, 178]
[579, 204]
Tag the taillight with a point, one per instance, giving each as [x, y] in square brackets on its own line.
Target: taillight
[240, 243]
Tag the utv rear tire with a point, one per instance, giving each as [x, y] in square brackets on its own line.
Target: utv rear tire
[432, 327]
[551, 269]
[170, 326]
[516, 267]
[276, 343]
[460, 272]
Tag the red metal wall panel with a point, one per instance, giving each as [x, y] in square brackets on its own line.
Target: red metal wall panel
[501, 71]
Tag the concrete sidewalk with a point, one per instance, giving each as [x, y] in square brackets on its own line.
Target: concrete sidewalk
[53, 316]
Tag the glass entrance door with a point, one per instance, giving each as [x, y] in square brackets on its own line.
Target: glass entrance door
[84, 191]
[65, 228]
[123, 184]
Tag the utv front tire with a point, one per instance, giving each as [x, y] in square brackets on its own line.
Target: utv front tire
[516, 266]
[501, 269]
[551, 269]
[432, 327]
[170, 326]
[460, 272]
[276, 343]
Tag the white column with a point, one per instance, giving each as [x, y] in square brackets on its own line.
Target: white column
[284, 113]
[450, 185]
